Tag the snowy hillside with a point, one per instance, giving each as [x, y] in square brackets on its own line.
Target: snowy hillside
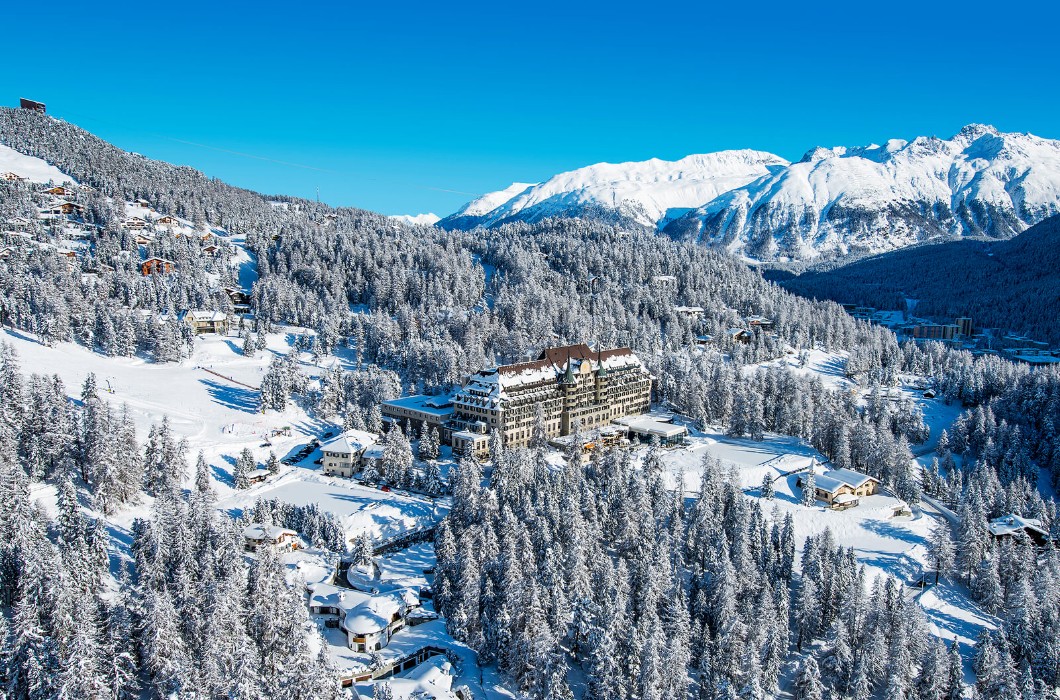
[833, 202]
[878, 198]
[28, 167]
[649, 193]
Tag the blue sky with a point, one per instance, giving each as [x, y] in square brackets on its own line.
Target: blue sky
[408, 107]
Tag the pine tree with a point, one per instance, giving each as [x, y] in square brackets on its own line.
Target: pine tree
[767, 491]
[808, 684]
[245, 464]
[273, 464]
[941, 549]
[809, 489]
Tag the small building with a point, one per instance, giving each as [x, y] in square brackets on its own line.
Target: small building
[12, 177]
[1012, 525]
[841, 488]
[57, 191]
[646, 429]
[143, 203]
[156, 266]
[32, 105]
[141, 239]
[693, 312]
[207, 322]
[372, 456]
[343, 455]
[134, 223]
[741, 335]
[759, 322]
[210, 250]
[598, 438]
[167, 220]
[471, 444]
[18, 223]
[278, 538]
[258, 476]
[63, 209]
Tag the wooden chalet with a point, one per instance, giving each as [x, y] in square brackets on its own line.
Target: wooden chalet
[134, 223]
[141, 239]
[167, 220]
[843, 488]
[12, 177]
[210, 250]
[57, 190]
[156, 266]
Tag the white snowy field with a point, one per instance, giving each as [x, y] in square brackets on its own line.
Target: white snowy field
[33, 169]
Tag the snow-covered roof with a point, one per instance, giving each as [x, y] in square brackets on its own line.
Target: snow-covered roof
[349, 442]
[646, 425]
[431, 680]
[363, 613]
[832, 481]
[1011, 524]
[374, 452]
[260, 533]
[206, 316]
[436, 405]
[488, 387]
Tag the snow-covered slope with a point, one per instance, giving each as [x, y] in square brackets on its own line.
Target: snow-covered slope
[428, 219]
[649, 193]
[33, 169]
[879, 198]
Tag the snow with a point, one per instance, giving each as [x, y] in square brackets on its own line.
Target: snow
[33, 169]
[1019, 173]
[428, 219]
[651, 192]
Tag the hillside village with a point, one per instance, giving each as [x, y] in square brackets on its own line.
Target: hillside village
[388, 499]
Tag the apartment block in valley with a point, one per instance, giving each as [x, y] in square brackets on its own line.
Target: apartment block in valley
[574, 385]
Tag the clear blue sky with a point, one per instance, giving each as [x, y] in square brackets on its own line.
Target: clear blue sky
[410, 107]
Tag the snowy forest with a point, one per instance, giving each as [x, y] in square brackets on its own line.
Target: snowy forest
[650, 593]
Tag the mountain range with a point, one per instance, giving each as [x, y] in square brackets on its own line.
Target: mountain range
[832, 203]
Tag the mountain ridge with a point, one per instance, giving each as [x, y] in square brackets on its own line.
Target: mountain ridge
[832, 203]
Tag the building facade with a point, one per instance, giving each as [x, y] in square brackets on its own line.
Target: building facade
[574, 386]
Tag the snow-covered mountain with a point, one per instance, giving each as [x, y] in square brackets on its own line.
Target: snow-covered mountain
[428, 219]
[649, 193]
[879, 198]
[833, 202]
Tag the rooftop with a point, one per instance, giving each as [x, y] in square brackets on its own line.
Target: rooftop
[832, 480]
[350, 442]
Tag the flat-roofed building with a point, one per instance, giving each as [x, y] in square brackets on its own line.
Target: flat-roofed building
[417, 410]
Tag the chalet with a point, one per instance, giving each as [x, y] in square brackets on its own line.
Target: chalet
[63, 209]
[369, 620]
[258, 476]
[57, 190]
[134, 223]
[207, 322]
[277, 538]
[141, 239]
[210, 250]
[12, 177]
[759, 322]
[692, 312]
[19, 223]
[842, 488]
[156, 266]
[343, 455]
[741, 335]
[167, 221]
[1011, 525]
[142, 203]
[238, 296]
[67, 253]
